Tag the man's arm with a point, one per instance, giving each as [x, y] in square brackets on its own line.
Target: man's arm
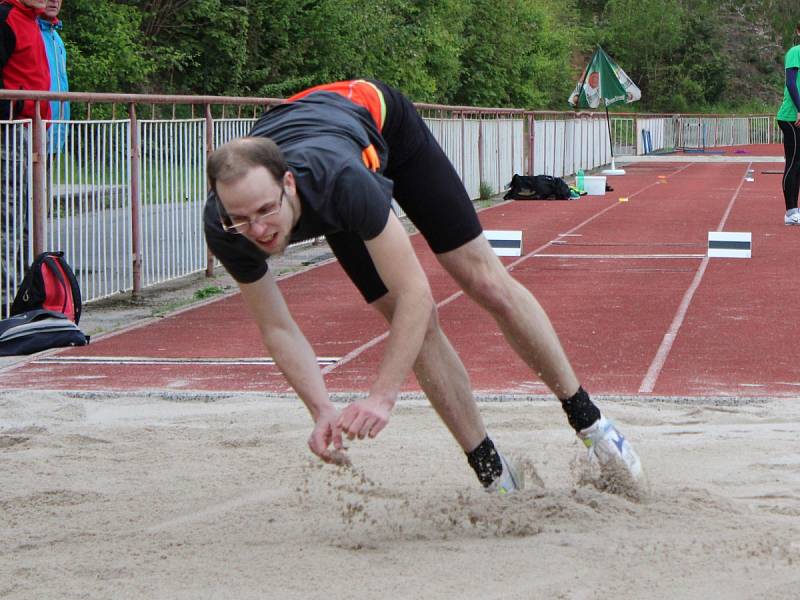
[791, 86]
[297, 361]
[403, 276]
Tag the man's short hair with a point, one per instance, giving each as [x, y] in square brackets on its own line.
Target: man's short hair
[233, 160]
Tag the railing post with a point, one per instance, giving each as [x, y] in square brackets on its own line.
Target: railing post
[480, 150]
[498, 123]
[463, 171]
[38, 157]
[531, 141]
[136, 202]
[563, 172]
[209, 150]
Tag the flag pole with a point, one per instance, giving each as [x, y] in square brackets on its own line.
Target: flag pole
[583, 82]
[613, 170]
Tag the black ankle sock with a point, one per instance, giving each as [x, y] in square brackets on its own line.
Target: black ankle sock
[581, 411]
[485, 461]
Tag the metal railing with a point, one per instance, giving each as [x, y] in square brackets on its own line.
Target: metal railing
[16, 203]
[123, 196]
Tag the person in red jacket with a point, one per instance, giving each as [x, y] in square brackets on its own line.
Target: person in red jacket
[23, 66]
[23, 58]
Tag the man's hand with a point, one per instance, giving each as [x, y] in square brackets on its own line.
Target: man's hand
[366, 417]
[327, 432]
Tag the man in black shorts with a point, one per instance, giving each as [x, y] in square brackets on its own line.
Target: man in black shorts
[329, 162]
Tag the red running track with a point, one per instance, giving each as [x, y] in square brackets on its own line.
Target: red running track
[639, 308]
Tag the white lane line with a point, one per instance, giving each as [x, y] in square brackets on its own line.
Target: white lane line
[620, 256]
[653, 372]
[147, 360]
[356, 352]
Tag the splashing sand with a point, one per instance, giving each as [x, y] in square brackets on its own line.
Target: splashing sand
[132, 497]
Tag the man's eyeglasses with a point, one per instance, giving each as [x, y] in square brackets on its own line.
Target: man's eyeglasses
[242, 224]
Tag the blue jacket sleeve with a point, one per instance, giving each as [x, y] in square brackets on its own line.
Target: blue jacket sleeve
[791, 85]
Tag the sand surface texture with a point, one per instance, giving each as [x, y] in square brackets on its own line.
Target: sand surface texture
[218, 497]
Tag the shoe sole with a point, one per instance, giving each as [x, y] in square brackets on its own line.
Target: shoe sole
[516, 475]
[616, 460]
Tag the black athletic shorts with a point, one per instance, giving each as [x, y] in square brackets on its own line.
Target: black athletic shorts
[427, 188]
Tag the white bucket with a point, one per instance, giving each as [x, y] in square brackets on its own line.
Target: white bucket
[595, 185]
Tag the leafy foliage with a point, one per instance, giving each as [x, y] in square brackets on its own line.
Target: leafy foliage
[516, 55]
[684, 54]
[104, 46]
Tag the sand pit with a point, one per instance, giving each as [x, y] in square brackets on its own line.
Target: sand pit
[218, 497]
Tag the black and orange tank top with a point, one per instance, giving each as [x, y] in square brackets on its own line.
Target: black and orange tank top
[359, 91]
[363, 93]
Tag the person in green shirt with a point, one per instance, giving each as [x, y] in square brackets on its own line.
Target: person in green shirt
[789, 122]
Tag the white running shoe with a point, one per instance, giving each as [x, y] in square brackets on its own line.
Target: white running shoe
[510, 480]
[608, 446]
[792, 217]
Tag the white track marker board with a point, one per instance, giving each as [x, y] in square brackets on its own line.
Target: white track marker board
[730, 244]
[505, 243]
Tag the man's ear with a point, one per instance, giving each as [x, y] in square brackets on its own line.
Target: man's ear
[290, 183]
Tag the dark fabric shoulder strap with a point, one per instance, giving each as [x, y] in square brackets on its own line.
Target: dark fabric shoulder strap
[8, 39]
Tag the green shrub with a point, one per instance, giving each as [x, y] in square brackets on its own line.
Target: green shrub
[486, 190]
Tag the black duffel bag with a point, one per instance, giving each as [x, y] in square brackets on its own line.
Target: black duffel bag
[537, 187]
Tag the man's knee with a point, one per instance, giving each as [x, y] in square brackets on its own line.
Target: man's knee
[433, 323]
[493, 291]
[387, 304]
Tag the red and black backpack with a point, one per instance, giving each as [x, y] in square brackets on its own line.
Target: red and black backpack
[49, 284]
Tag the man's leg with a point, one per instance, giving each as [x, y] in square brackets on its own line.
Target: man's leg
[445, 381]
[439, 370]
[528, 330]
[430, 191]
[519, 315]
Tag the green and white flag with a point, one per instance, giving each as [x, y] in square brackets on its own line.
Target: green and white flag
[603, 79]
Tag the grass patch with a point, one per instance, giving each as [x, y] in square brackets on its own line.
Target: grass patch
[201, 294]
[208, 292]
[485, 190]
[169, 307]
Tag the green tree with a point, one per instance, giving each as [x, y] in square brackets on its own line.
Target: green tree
[413, 44]
[516, 54]
[684, 54]
[105, 49]
[704, 69]
[644, 36]
[295, 45]
[420, 51]
[196, 44]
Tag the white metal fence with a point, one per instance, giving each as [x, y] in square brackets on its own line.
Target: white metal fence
[124, 197]
[173, 192]
[564, 144]
[486, 148]
[16, 246]
[89, 205]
